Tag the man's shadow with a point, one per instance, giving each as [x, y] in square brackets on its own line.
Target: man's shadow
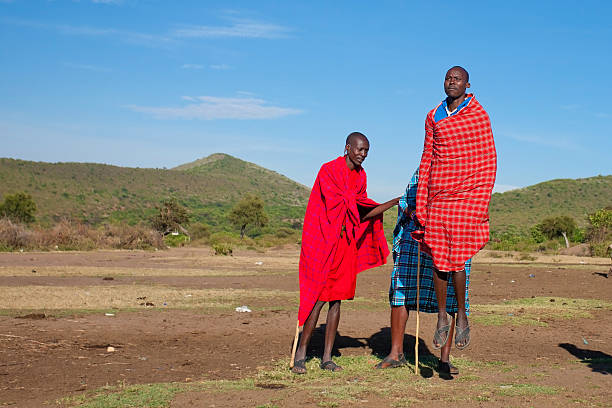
[598, 361]
[317, 343]
[380, 344]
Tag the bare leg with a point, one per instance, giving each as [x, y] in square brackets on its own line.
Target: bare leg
[440, 280]
[399, 316]
[459, 284]
[331, 328]
[445, 351]
[309, 326]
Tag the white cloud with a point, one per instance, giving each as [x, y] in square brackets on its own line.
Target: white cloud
[192, 66]
[500, 188]
[239, 28]
[220, 67]
[557, 142]
[133, 37]
[86, 67]
[213, 107]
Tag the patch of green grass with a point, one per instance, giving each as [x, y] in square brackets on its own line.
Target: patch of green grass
[514, 390]
[504, 320]
[462, 362]
[142, 395]
[530, 311]
[467, 378]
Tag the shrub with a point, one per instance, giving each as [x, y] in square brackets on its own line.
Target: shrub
[200, 232]
[68, 235]
[176, 240]
[170, 216]
[223, 249]
[18, 207]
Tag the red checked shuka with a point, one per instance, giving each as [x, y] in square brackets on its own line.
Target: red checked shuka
[456, 178]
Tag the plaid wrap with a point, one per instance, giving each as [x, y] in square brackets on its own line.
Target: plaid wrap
[457, 174]
[331, 205]
[402, 291]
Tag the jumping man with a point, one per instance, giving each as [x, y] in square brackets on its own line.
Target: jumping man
[457, 174]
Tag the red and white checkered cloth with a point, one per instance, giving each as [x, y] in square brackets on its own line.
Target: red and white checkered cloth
[457, 174]
[333, 200]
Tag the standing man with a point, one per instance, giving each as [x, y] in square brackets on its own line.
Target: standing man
[457, 174]
[403, 288]
[342, 236]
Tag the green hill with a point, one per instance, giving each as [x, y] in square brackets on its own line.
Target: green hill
[528, 206]
[96, 193]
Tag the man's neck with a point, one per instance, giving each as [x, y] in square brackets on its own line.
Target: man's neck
[452, 104]
[350, 164]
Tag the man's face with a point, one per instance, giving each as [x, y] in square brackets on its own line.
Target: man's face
[455, 83]
[357, 151]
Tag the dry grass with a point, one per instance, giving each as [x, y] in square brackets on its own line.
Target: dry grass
[95, 271]
[67, 235]
[130, 296]
[537, 311]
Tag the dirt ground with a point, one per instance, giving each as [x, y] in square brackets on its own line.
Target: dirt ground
[48, 353]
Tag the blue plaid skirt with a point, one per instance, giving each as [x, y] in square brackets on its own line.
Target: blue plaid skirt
[403, 279]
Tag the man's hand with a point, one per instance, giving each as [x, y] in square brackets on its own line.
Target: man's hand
[380, 209]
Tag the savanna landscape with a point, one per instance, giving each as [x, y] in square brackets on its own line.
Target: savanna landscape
[121, 290]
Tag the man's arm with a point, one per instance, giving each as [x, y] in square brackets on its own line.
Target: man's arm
[380, 209]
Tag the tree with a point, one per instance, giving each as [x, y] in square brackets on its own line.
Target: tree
[558, 226]
[599, 232]
[171, 216]
[249, 211]
[18, 207]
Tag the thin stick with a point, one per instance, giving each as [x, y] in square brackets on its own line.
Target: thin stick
[295, 340]
[416, 335]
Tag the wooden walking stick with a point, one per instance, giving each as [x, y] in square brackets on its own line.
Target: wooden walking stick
[418, 301]
[295, 340]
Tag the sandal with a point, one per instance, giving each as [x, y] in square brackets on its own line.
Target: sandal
[439, 338]
[401, 361]
[330, 366]
[299, 367]
[462, 336]
[446, 367]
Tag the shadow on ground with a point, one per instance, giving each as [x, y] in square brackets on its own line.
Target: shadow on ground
[380, 344]
[598, 361]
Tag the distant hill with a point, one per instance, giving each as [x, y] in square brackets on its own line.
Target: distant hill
[96, 193]
[209, 187]
[528, 206]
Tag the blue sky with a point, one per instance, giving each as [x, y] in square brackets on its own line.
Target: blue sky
[151, 83]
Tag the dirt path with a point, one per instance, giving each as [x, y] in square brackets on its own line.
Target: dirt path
[43, 359]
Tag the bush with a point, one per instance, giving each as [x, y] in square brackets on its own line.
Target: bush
[283, 232]
[176, 240]
[200, 232]
[599, 232]
[18, 207]
[222, 249]
[68, 235]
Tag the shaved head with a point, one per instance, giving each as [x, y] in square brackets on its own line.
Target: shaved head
[353, 137]
[467, 76]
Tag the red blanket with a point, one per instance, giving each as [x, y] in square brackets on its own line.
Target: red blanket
[332, 204]
[456, 177]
